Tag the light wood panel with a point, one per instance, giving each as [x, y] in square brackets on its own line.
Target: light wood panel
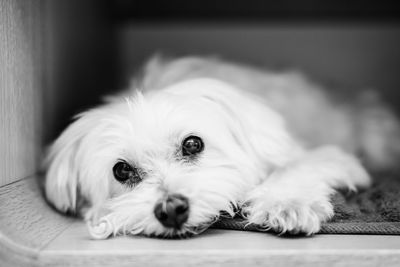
[21, 83]
[27, 223]
[55, 61]
[222, 248]
[77, 238]
[25, 217]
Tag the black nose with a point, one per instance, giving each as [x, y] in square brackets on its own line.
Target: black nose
[172, 212]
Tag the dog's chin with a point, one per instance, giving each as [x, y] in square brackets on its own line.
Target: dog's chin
[108, 226]
[185, 231]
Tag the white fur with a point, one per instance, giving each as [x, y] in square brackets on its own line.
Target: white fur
[276, 146]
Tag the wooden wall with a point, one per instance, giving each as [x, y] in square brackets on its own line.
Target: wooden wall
[21, 81]
[54, 62]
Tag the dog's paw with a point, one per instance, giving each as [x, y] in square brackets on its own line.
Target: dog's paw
[293, 216]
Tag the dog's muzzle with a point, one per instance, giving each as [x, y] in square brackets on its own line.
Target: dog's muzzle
[173, 211]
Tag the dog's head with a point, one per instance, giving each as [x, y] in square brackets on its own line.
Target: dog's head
[167, 162]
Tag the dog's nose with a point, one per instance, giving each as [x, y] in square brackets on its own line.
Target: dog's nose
[172, 212]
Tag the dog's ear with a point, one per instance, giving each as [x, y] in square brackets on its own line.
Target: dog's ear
[64, 163]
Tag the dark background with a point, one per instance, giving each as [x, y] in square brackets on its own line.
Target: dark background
[254, 10]
[94, 47]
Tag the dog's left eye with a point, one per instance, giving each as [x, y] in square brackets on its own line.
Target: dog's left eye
[192, 145]
[124, 172]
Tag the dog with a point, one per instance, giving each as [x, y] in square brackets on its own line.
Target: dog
[194, 138]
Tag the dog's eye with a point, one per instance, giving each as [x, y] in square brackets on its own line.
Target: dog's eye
[192, 145]
[124, 172]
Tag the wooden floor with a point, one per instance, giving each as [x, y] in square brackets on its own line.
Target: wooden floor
[31, 234]
[216, 247]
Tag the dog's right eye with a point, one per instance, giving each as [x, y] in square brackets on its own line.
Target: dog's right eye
[124, 172]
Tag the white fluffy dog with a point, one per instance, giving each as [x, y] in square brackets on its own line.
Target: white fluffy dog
[195, 137]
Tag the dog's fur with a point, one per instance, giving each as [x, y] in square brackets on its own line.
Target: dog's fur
[276, 147]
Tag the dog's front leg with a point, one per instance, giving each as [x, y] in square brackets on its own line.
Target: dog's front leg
[296, 197]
